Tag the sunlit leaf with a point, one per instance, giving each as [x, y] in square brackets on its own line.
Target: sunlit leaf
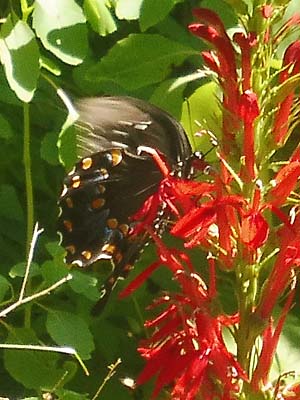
[99, 16]
[60, 24]
[139, 60]
[19, 54]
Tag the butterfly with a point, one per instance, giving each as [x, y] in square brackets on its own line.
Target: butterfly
[112, 180]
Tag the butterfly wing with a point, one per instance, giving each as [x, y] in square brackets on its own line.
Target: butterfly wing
[99, 197]
[126, 122]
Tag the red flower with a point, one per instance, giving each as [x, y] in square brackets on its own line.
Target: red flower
[291, 64]
[223, 62]
[249, 111]
[281, 276]
[270, 342]
[187, 351]
[246, 43]
[284, 182]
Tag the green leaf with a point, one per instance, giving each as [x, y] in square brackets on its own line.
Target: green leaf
[99, 16]
[53, 272]
[67, 146]
[19, 54]
[55, 250]
[4, 287]
[202, 107]
[18, 270]
[6, 131]
[169, 99]
[60, 24]
[85, 284]
[128, 9]
[6, 94]
[33, 369]
[68, 329]
[139, 60]
[10, 206]
[50, 66]
[110, 339]
[49, 150]
[154, 11]
[64, 394]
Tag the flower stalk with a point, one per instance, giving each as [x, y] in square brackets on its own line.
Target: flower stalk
[244, 216]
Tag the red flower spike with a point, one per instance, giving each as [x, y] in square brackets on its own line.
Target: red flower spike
[290, 232]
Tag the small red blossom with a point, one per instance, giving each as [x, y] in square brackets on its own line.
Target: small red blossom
[254, 230]
[190, 341]
[195, 226]
[284, 182]
[246, 43]
[291, 63]
[223, 61]
[270, 342]
[249, 111]
[282, 274]
[267, 10]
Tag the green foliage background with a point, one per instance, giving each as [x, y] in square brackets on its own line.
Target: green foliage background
[86, 48]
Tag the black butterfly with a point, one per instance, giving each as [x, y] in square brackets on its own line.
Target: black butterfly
[112, 180]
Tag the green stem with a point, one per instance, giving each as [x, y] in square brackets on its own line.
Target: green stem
[28, 177]
[247, 331]
[29, 195]
[26, 10]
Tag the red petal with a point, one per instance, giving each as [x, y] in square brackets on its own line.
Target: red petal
[285, 181]
[249, 109]
[267, 11]
[197, 219]
[139, 280]
[254, 230]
